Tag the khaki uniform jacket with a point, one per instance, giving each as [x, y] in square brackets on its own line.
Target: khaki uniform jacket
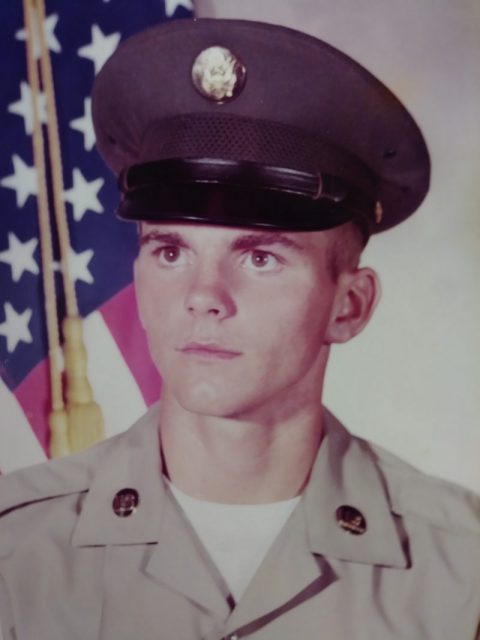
[71, 569]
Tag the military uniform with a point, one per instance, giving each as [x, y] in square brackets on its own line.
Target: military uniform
[250, 125]
[95, 546]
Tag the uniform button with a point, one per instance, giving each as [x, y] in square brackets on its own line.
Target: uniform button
[125, 502]
[351, 520]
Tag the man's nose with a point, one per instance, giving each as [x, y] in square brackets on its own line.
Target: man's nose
[210, 294]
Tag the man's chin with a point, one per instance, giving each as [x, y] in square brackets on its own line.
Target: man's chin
[207, 400]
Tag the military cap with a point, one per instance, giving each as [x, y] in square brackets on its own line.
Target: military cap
[249, 124]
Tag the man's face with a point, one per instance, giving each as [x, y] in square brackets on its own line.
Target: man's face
[236, 319]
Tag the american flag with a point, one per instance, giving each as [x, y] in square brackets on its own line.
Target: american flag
[80, 37]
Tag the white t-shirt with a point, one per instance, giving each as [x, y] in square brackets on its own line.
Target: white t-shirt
[237, 537]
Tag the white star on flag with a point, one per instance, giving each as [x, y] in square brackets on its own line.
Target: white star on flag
[78, 265]
[19, 256]
[172, 5]
[50, 38]
[83, 195]
[100, 48]
[15, 328]
[85, 125]
[23, 180]
[23, 107]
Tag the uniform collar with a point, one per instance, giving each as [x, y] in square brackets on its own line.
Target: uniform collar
[306, 557]
[131, 462]
[179, 562]
[345, 474]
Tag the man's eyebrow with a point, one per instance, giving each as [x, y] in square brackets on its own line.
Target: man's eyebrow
[254, 240]
[170, 238]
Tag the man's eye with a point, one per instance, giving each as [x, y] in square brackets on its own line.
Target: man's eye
[260, 261]
[171, 256]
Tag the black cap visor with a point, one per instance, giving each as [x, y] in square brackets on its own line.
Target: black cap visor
[240, 194]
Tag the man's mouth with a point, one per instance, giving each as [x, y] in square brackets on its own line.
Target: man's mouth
[209, 350]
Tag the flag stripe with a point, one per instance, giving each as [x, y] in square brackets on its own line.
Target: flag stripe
[114, 386]
[122, 400]
[19, 446]
[33, 397]
[120, 314]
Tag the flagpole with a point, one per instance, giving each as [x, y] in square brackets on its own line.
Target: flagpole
[85, 419]
[59, 442]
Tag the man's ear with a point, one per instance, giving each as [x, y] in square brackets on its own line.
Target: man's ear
[358, 293]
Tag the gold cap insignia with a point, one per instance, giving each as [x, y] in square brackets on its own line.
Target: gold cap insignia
[218, 74]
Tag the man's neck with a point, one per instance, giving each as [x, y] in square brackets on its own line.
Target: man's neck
[239, 461]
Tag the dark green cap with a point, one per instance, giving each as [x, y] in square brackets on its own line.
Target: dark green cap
[248, 124]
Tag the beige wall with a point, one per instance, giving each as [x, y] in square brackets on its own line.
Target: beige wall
[411, 382]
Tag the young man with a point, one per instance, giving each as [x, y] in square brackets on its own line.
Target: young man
[257, 162]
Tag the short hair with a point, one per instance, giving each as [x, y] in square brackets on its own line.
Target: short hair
[345, 248]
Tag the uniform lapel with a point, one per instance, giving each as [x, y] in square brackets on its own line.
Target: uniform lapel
[131, 462]
[178, 560]
[181, 563]
[297, 567]
[289, 575]
[346, 474]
